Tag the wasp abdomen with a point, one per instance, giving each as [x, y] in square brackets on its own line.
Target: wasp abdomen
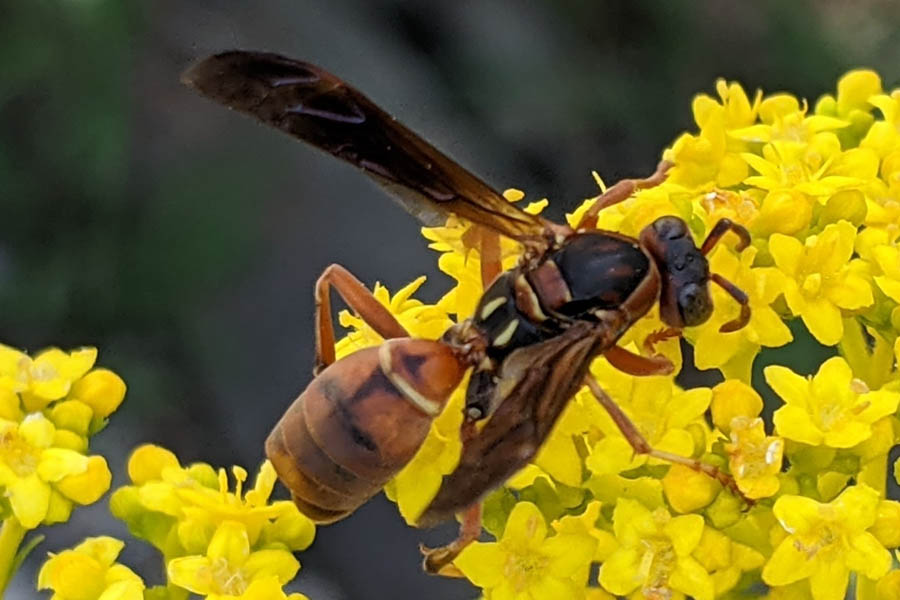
[359, 422]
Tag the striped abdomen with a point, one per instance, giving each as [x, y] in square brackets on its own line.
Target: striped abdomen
[359, 422]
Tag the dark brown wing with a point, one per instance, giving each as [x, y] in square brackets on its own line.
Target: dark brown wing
[320, 109]
[541, 379]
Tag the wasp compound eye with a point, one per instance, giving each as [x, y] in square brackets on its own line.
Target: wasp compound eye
[694, 304]
[669, 228]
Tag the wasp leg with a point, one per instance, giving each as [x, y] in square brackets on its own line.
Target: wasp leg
[642, 446]
[659, 336]
[360, 300]
[722, 227]
[635, 364]
[622, 191]
[740, 297]
[491, 266]
[438, 561]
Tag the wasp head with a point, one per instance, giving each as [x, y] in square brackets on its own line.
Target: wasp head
[684, 299]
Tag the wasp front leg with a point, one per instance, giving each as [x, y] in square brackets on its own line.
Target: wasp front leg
[641, 446]
[360, 300]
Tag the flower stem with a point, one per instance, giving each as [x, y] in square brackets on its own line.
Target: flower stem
[11, 535]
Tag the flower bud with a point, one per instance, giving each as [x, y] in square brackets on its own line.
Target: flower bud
[887, 524]
[733, 398]
[101, 389]
[687, 490]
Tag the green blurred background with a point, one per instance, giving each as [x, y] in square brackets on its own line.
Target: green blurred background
[184, 241]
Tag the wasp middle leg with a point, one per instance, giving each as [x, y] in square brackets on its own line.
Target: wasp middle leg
[642, 446]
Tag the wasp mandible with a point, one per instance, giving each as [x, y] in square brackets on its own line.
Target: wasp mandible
[529, 345]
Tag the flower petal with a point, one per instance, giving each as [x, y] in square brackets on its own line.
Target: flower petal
[231, 542]
[620, 573]
[792, 388]
[267, 563]
[30, 499]
[56, 463]
[866, 555]
[823, 319]
[123, 590]
[482, 563]
[525, 528]
[87, 487]
[829, 580]
[692, 579]
[787, 564]
[103, 549]
[193, 573]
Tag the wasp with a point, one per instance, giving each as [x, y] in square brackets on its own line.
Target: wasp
[529, 345]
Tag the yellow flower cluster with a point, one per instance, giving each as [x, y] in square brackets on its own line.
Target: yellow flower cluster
[819, 190]
[219, 543]
[50, 406]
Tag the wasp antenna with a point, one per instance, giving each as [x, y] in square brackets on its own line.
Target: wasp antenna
[740, 297]
[720, 229]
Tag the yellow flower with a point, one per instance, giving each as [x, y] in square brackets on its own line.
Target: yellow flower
[826, 542]
[852, 104]
[734, 352]
[754, 457]
[46, 377]
[831, 408]
[725, 559]
[655, 554]
[883, 136]
[458, 243]
[421, 320]
[90, 572]
[785, 119]
[817, 168]
[712, 157]
[416, 484]
[42, 481]
[526, 564]
[733, 398]
[178, 509]
[887, 257]
[230, 571]
[821, 279]
[586, 524]
[660, 409]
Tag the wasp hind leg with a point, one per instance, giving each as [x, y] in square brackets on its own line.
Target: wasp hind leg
[360, 300]
[439, 561]
[642, 446]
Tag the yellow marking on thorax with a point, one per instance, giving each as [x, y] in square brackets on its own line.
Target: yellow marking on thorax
[506, 334]
[489, 308]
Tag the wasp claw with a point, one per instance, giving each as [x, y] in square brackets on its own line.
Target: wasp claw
[439, 561]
